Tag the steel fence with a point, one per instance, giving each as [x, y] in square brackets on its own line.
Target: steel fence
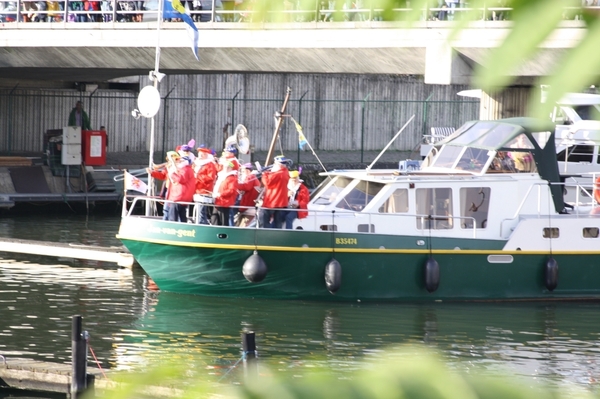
[328, 124]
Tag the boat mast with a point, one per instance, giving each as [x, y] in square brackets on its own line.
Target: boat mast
[279, 115]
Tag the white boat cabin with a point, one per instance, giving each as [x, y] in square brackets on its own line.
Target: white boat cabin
[485, 178]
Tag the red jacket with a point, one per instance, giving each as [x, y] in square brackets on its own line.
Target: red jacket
[182, 185]
[228, 191]
[276, 191]
[302, 196]
[205, 178]
[250, 192]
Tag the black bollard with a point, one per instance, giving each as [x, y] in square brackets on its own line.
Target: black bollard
[79, 358]
[249, 349]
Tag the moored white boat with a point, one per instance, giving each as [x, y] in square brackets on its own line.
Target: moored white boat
[484, 219]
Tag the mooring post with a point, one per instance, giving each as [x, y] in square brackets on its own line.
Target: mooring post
[249, 351]
[79, 358]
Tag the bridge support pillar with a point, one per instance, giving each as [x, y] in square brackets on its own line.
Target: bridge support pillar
[444, 66]
[507, 103]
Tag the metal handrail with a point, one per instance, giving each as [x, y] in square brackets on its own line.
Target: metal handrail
[20, 14]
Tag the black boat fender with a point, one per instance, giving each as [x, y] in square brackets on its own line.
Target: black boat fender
[432, 274]
[333, 276]
[551, 274]
[255, 268]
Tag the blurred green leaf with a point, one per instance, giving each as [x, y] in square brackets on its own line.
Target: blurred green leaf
[579, 68]
[534, 21]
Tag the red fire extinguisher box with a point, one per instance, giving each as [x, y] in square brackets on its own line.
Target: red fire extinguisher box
[93, 146]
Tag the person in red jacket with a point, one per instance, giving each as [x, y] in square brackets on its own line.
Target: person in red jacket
[299, 197]
[159, 172]
[206, 175]
[182, 186]
[225, 191]
[275, 199]
[248, 187]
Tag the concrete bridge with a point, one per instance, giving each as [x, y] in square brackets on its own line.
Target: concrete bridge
[93, 52]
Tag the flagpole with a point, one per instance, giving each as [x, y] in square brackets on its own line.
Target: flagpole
[154, 76]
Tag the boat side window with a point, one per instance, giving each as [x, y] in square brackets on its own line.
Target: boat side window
[329, 194]
[360, 195]
[591, 232]
[551, 232]
[396, 203]
[474, 207]
[434, 208]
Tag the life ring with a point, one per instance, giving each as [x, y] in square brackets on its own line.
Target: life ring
[597, 190]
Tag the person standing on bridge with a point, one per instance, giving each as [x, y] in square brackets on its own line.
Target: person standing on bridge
[78, 117]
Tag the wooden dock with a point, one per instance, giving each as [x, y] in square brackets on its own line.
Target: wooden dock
[33, 375]
[118, 255]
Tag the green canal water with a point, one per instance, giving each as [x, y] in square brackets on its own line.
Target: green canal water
[133, 326]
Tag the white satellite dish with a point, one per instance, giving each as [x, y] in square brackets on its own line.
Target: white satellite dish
[149, 101]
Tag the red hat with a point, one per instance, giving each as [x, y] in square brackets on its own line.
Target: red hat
[205, 150]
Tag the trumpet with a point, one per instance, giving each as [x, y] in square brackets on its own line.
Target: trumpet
[159, 166]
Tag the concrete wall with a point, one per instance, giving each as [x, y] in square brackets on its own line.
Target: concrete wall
[337, 112]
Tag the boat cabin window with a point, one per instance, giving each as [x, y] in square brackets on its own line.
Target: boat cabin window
[360, 195]
[577, 153]
[330, 193]
[550, 232]
[502, 163]
[366, 228]
[591, 232]
[473, 159]
[434, 208]
[396, 203]
[474, 207]
[522, 158]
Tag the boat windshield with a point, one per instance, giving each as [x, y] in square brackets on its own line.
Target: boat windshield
[468, 158]
[360, 195]
[330, 193]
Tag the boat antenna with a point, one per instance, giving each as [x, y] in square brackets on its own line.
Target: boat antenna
[299, 130]
[390, 143]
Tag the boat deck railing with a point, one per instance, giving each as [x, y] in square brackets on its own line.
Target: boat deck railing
[324, 220]
[332, 219]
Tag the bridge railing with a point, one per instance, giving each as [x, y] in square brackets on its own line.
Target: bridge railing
[241, 11]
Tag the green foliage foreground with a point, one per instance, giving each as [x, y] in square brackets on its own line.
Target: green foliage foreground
[414, 373]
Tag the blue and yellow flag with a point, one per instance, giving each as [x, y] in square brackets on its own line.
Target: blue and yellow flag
[174, 9]
[301, 139]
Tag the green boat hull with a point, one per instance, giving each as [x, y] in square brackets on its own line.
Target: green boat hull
[208, 260]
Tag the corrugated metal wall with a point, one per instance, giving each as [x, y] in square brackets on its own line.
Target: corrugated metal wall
[337, 112]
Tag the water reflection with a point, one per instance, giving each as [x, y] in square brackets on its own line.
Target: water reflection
[553, 341]
[132, 325]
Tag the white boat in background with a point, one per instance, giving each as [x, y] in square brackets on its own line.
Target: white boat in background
[578, 151]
